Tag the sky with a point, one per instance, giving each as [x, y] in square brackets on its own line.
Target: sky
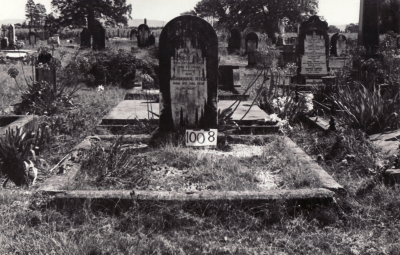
[336, 12]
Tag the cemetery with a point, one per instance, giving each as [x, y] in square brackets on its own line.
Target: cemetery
[201, 137]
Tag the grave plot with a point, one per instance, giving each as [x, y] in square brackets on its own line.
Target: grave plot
[246, 167]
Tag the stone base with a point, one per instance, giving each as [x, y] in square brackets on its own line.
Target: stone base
[392, 176]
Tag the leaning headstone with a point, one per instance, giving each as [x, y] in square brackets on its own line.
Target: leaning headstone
[99, 37]
[32, 38]
[188, 74]
[11, 35]
[368, 29]
[313, 49]
[85, 38]
[4, 43]
[143, 35]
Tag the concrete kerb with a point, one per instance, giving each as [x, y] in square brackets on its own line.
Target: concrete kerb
[58, 185]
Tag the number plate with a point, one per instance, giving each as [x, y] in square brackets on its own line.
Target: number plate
[201, 137]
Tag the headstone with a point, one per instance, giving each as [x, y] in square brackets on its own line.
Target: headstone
[368, 29]
[152, 40]
[143, 35]
[85, 38]
[11, 35]
[133, 34]
[251, 40]
[99, 37]
[313, 48]
[4, 43]
[334, 44]
[188, 74]
[341, 45]
[243, 39]
[32, 38]
[226, 78]
[234, 40]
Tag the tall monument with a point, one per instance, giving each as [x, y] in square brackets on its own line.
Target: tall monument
[368, 30]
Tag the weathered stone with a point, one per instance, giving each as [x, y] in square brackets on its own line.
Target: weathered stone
[4, 43]
[152, 40]
[188, 74]
[251, 42]
[133, 34]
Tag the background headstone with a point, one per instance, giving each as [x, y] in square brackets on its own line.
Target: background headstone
[99, 37]
[32, 38]
[133, 35]
[152, 40]
[188, 74]
[11, 35]
[341, 45]
[4, 43]
[85, 38]
[234, 40]
[368, 29]
[251, 42]
[143, 35]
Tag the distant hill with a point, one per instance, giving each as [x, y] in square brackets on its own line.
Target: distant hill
[150, 23]
[11, 21]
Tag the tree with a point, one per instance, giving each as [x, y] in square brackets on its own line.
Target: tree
[40, 14]
[352, 28]
[51, 24]
[73, 13]
[30, 8]
[333, 29]
[257, 14]
[389, 16]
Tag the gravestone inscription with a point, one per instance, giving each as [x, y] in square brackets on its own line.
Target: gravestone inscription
[188, 74]
[313, 48]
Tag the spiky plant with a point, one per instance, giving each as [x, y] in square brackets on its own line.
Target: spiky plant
[17, 146]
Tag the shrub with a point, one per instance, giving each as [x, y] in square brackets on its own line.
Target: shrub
[366, 110]
[18, 146]
[106, 67]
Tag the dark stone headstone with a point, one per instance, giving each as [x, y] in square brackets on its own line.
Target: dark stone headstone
[152, 40]
[234, 40]
[85, 38]
[338, 44]
[143, 35]
[368, 29]
[334, 44]
[99, 37]
[4, 43]
[188, 74]
[11, 35]
[251, 41]
[225, 78]
[32, 38]
[313, 48]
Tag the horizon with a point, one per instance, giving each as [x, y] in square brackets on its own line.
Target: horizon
[338, 13]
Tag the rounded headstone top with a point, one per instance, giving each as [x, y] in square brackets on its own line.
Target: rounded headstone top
[251, 36]
[144, 26]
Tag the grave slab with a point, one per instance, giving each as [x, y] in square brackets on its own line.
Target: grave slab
[130, 111]
[388, 141]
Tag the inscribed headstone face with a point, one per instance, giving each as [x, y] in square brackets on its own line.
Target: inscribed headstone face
[188, 74]
[313, 48]
[314, 59]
